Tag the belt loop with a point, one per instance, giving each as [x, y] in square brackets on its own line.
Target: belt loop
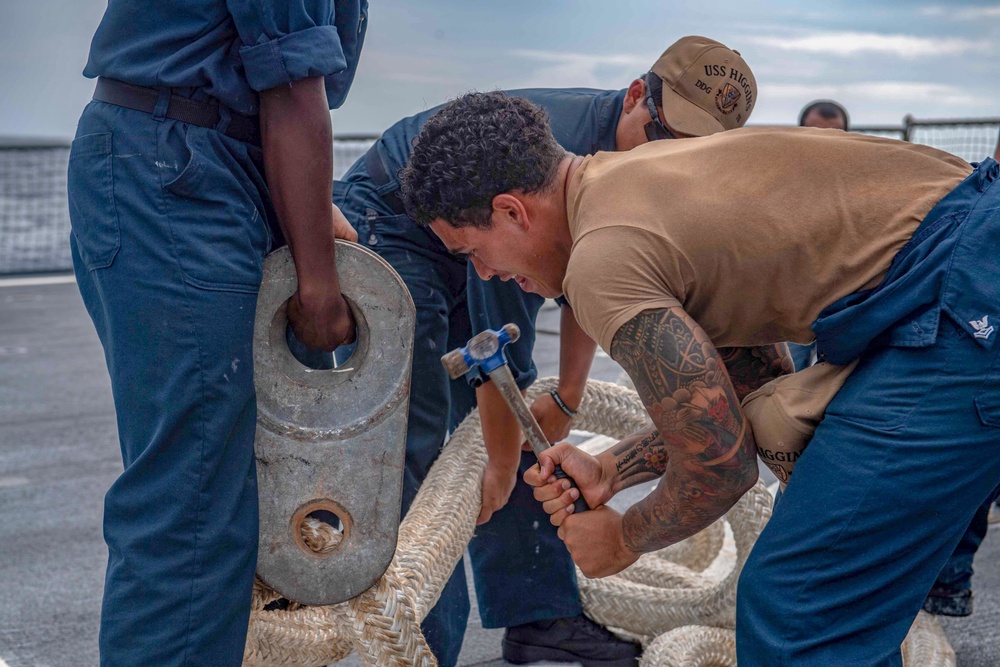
[162, 105]
[224, 118]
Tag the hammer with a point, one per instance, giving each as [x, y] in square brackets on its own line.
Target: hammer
[485, 351]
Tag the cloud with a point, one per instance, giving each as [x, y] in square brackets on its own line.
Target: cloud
[961, 13]
[412, 68]
[895, 92]
[853, 43]
[556, 68]
[586, 59]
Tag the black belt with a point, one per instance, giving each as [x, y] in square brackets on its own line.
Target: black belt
[379, 176]
[203, 114]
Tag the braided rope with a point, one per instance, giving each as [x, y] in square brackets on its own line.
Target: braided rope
[677, 596]
[668, 599]
[692, 646]
[696, 646]
[321, 537]
[696, 552]
[926, 644]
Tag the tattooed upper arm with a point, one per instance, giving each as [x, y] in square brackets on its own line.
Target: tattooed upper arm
[709, 457]
[752, 367]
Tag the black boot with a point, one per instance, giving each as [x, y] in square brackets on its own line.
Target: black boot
[949, 602]
[576, 639]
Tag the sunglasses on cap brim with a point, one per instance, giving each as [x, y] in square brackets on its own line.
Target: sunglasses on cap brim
[655, 129]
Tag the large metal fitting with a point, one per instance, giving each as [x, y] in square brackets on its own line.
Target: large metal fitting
[331, 443]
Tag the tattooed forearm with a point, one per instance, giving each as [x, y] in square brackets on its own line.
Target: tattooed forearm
[708, 454]
[639, 458]
[752, 367]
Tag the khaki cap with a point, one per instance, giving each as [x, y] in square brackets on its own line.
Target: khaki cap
[785, 412]
[707, 87]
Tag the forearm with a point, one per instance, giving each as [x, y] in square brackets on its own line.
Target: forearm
[639, 458]
[297, 140]
[576, 356]
[683, 503]
[750, 368]
[501, 433]
[710, 458]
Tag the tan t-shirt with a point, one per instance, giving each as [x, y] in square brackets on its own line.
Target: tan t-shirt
[752, 231]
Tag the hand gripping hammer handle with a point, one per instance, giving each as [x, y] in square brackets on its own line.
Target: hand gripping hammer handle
[457, 364]
[504, 381]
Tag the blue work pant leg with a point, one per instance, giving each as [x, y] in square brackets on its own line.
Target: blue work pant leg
[878, 501]
[957, 572]
[167, 247]
[522, 570]
[437, 286]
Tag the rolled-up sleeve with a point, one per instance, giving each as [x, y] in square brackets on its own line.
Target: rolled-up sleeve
[285, 41]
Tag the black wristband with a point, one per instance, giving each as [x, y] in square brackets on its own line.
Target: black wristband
[562, 404]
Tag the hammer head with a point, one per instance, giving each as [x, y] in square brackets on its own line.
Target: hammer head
[483, 351]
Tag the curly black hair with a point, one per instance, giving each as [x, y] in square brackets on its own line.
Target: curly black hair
[476, 147]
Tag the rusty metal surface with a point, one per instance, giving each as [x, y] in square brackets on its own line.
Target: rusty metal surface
[332, 440]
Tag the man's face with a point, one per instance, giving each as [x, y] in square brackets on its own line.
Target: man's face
[815, 119]
[508, 249]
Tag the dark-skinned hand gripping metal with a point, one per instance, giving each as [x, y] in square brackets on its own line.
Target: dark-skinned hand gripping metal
[485, 352]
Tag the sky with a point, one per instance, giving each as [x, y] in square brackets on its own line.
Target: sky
[882, 59]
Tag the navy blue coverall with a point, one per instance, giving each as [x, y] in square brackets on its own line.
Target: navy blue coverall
[170, 225]
[518, 549]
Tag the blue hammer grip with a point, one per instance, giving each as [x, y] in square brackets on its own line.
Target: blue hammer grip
[580, 505]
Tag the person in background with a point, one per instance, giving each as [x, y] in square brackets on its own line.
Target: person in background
[826, 114]
[208, 143]
[951, 594]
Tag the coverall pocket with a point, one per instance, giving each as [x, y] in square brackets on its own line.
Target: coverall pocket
[218, 234]
[92, 211]
[890, 382]
[988, 397]
[391, 228]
